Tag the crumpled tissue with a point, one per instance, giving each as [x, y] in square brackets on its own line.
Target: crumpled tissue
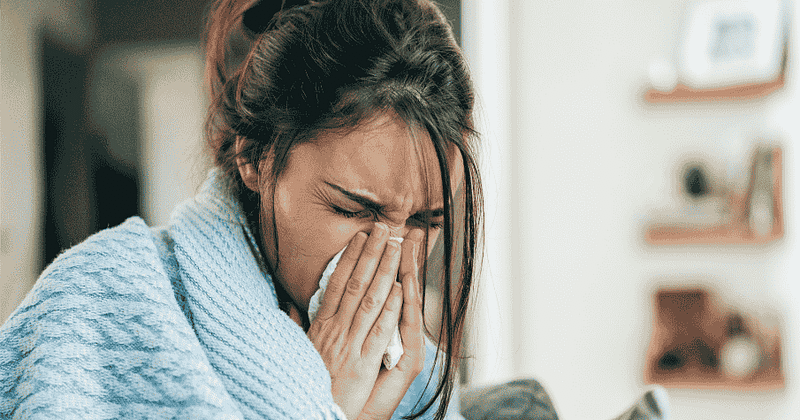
[395, 348]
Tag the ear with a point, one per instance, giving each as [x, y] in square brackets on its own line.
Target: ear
[247, 170]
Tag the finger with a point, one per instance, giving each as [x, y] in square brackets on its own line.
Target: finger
[361, 277]
[412, 304]
[411, 327]
[373, 301]
[381, 332]
[338, 280]
[409, 262]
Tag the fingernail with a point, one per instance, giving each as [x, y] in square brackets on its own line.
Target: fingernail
[381, 229]
[359, 237]
[393, 247]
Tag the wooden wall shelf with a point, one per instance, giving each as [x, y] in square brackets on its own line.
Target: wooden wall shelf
[686, 346]
[737, 231]
[684, 93]
[727, 234]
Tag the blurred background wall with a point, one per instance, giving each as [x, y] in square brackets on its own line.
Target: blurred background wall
[102, 118]
[102, 107]
[589, 164]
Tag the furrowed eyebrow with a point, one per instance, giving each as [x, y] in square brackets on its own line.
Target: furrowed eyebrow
[360, 199]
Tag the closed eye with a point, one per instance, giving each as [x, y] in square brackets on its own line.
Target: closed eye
[353, 214]
[416, 220]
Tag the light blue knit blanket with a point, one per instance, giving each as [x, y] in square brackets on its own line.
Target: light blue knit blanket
[177, 322]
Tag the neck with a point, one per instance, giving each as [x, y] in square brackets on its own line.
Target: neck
[290, 307]
[251, 205]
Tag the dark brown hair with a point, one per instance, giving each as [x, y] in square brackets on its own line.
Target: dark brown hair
[280, 72]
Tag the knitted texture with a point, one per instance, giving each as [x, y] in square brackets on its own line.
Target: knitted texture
[176, 322]
[100, 336]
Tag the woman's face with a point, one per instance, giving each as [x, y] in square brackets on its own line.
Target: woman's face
[341, 184]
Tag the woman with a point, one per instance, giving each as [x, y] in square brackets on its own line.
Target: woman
[343, 124]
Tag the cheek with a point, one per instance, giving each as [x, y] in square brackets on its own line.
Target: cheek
[309, 236]
[300, 246]
[311, 225]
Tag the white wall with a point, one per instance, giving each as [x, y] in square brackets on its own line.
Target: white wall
[591, 163]
[21, 198]
[486, 43]
[21, 175]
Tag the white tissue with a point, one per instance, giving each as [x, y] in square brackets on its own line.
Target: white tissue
[395, 349]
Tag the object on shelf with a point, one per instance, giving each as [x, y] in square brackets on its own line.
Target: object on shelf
[663, 75]
[729, 50]
[696, 184]
[740, 356]
[732, 42]
[750, 217]
[759, 211]
[695, 344]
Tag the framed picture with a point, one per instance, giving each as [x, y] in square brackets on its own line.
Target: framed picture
[732, 42]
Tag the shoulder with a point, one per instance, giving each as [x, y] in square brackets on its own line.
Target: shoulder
[115, 264]
[102, 326]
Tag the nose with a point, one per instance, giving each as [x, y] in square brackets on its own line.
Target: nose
[397, 231]
[396, 218]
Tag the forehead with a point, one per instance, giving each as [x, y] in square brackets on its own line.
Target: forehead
[383, 157]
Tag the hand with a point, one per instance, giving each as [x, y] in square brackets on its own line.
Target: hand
[384, 400]
[358, 314]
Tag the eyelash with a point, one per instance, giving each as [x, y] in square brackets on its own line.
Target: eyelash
[368, 213]
[352, 214]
